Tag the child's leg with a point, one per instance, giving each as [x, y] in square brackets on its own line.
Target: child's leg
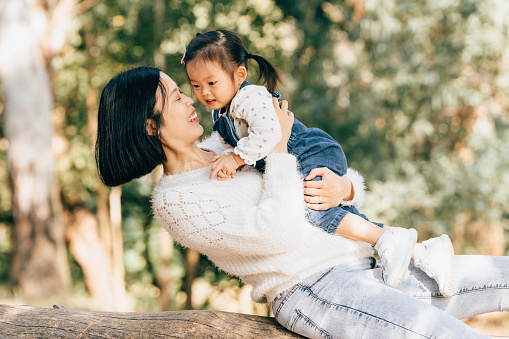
[356, 228]
[397, 246]
[394, 245]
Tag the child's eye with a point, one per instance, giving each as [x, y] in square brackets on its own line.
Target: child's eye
[196, 86]
[212, 83]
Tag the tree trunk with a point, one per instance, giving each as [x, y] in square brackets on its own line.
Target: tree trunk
[39, 264]
[192, 259]
[82, 233]
[165, 240]
[108, 237]
[37, 322]
[163, 276]
[117, 250]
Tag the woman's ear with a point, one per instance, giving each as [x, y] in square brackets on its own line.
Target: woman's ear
[151, 127]
[240, 75]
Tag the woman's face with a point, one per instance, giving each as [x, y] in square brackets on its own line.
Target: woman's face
[181, 126]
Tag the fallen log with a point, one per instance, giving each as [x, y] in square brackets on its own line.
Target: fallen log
[37, 322]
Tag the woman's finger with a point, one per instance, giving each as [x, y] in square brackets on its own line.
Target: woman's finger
[286, 122]
[313, 199]
[319, 207]
[284, 106]
[314, 184]
[312, 191]
[316, 172]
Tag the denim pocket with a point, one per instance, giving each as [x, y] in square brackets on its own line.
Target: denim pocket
[304, 325]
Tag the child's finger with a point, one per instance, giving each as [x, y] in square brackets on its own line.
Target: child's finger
[222, 176]
[214, 159]
[214, 170]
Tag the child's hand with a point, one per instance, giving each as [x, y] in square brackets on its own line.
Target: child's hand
[225, 166]
[221, 176]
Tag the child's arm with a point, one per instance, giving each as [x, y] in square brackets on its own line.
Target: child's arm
[253, 104]
[357, 228]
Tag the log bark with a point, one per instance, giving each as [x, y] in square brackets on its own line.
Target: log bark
[37, 322]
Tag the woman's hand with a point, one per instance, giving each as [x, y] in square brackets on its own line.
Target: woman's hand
[285, 121]
[329, 192]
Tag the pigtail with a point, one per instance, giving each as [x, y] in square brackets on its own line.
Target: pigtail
[267, 71]
[226, 48]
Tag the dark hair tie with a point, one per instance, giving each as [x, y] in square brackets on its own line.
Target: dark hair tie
[250, 56]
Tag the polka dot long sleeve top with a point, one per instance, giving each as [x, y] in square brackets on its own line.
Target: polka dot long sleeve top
[255, 122]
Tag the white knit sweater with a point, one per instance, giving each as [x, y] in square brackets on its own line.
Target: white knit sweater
[251, 226]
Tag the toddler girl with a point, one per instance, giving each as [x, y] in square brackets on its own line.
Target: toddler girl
[217, 66]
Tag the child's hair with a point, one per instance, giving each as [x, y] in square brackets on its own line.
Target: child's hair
[226, 48]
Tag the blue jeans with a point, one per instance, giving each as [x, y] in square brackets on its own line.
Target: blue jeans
[351, 301]
[314, 148]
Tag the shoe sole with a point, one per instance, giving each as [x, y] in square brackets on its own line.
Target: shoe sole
[406, 261]
[450, 282]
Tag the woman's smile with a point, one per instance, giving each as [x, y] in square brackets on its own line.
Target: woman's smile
[193, 117]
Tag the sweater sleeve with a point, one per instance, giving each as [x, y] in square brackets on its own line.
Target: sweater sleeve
[253, 104]
[210, 219]
[359, 189]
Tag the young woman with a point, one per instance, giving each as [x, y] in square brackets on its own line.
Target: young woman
[254, 226]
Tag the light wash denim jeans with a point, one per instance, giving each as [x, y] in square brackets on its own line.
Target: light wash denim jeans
[351, 301]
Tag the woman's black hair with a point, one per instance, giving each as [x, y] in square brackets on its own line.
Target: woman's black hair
[124, 150]
[226, 48]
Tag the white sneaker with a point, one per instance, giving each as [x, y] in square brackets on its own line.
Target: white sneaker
[436, 258]
[395, 248]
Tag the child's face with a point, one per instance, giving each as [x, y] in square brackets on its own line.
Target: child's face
[212, 86]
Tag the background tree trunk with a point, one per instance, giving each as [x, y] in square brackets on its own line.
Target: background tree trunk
[192, 260]
[39, 264]
[165, 240]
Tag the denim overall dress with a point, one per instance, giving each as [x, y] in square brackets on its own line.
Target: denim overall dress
[313, 148]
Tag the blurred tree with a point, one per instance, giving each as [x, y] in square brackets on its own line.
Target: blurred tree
[409, 89]
[39, 264]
